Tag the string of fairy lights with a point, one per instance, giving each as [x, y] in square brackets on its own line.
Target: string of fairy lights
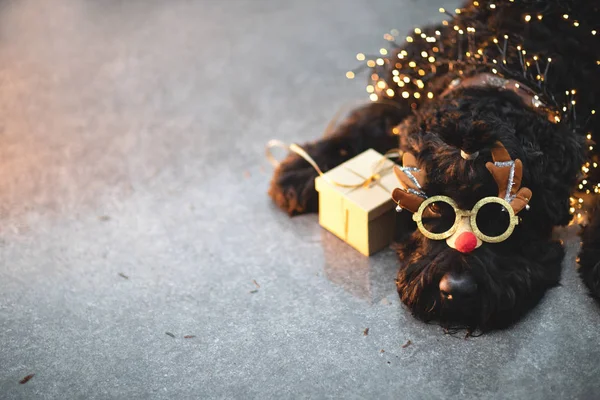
[411, 74]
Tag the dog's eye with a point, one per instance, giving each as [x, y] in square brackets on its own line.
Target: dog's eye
[434, 210]
[439, 210]
[439, 217]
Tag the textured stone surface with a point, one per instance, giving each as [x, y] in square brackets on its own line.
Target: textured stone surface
[131, 141]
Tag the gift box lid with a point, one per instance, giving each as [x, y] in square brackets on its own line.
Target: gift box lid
[374, 199]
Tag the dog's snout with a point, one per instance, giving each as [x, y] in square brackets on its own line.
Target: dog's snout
[458, 286]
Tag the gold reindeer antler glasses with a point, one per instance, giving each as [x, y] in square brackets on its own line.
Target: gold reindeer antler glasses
[511, 199]
[424, 208]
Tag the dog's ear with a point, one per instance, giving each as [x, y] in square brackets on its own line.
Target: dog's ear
[508, 175]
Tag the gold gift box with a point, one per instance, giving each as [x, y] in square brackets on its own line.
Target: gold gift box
[363, 216]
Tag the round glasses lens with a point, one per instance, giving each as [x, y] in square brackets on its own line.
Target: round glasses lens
[492, 219]
[438, 217]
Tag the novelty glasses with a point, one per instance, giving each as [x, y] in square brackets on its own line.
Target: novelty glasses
[492, 219]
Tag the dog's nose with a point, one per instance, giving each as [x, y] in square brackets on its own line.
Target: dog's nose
[458, 286]
[466, 242]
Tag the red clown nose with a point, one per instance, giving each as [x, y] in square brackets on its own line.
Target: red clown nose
[466, 242]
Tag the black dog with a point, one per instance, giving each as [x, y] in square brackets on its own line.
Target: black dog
[518, 75]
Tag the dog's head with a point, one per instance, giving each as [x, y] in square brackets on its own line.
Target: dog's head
[477, 161]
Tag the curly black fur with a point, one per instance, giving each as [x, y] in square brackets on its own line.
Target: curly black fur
[589, 256]
[511, 276]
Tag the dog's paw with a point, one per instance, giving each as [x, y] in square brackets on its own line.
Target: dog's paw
[293, 186]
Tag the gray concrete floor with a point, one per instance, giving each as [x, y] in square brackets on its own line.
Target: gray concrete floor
[131, 142]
